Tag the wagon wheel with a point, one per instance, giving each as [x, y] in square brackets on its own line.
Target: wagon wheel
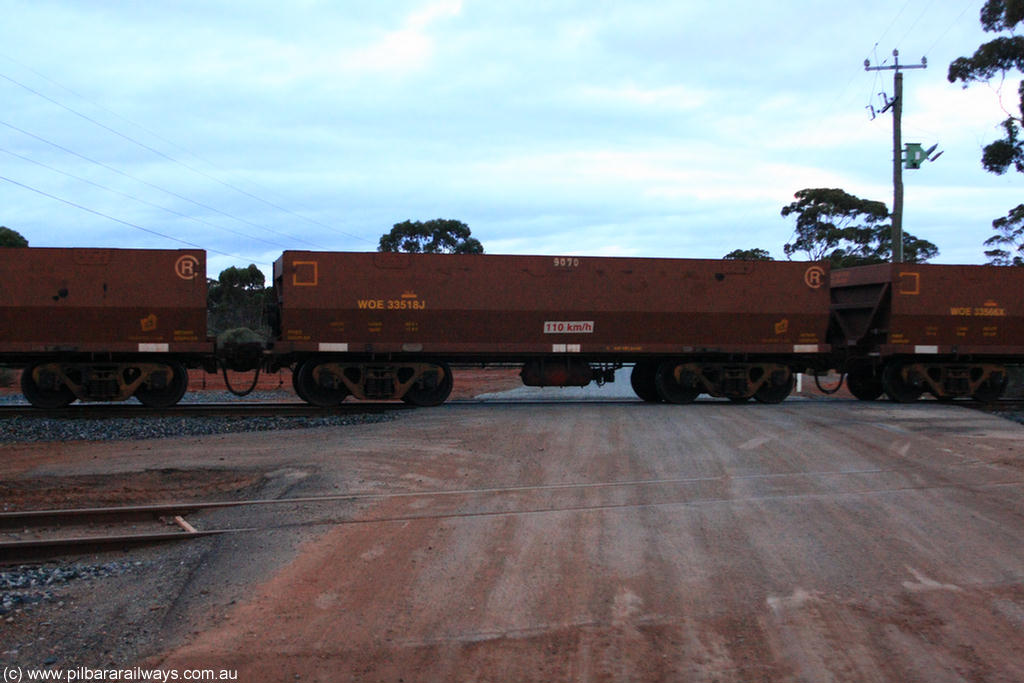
[166, 396]
[40, 397]
[991, 389]
[642, 379]
[669, 389]
[775, 393]
[897, 388]
[865, 386]
[426, 394]
[310, 391]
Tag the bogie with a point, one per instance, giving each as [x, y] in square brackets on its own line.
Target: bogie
[326, 382]
[52, 384]
[905, 380]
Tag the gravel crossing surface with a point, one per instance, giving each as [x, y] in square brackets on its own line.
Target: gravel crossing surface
[33, 429]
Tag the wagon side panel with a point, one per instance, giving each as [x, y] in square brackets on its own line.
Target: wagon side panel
[102, 300]
[497, 306]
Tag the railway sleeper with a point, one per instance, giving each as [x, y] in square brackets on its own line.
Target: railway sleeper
[56, 384]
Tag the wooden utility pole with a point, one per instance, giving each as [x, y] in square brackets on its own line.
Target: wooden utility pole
[897, 147]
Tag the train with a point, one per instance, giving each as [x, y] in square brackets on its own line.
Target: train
[113, 324]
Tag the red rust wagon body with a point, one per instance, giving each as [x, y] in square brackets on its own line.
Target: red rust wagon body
[103, 324]
[108, 324]
[386, 325]
[948, 330]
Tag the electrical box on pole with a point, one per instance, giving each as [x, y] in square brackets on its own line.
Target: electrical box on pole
[915, 155]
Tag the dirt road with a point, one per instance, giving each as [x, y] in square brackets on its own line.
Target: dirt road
[812, 541]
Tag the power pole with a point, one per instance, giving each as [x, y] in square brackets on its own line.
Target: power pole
[896, 103]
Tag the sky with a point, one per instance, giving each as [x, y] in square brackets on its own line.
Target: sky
[668, 129]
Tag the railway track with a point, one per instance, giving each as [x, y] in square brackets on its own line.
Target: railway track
[44, 534]
[34, 535]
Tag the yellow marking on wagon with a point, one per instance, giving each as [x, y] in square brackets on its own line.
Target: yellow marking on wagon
[986, 311]
[391, 304]
[910, 284]
[990, 311]
[305, 273]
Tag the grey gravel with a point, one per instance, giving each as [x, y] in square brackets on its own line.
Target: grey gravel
[27, 585]
[33, 429]
[28, 429]
[1016, 416]
[16, 399]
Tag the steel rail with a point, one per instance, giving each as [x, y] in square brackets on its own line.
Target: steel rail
[23, 550]
[60, 547]
[29, 550]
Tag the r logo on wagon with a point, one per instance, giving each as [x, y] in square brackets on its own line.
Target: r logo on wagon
[185, 267]
[814, 277]
[568, 326]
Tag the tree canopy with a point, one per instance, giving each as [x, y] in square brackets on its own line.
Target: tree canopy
[993, 59]
[238, 298]
[749, 255]
[833, 225]
[246, 279]
[11, 238]
[1008, 242]
[438, 236]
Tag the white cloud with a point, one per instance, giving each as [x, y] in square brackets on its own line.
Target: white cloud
[408, 48]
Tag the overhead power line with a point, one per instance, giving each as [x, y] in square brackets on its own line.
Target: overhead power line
[174, 160]
[122, 222]
[892, 23]
[951, 25]
[155, 187]
[916, 22]
[140, 200]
